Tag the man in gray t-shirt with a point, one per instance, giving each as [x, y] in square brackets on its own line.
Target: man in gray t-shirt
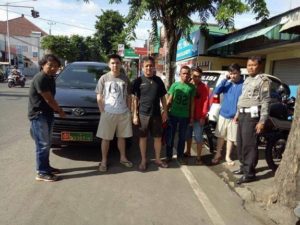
[113, 98]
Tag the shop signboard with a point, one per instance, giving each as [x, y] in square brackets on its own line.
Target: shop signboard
[186, 49]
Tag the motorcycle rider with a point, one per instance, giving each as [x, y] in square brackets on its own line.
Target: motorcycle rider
[16, 73]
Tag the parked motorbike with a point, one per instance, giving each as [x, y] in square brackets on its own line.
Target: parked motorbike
[16, 80]
[277, 130]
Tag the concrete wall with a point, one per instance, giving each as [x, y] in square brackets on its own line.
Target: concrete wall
[285, 54]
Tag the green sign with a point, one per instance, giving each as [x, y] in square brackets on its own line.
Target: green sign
[129, 54]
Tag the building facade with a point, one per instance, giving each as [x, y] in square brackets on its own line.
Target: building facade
[24, 44]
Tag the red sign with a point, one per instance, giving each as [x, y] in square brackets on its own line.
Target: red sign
[140, 51]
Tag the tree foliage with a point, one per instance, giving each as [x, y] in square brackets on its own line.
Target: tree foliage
[110, 30]
[73, 48]
[175, 15]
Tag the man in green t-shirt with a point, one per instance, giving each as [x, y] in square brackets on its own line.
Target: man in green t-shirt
[181, 107]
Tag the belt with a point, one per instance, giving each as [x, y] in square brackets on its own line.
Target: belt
[244, 110]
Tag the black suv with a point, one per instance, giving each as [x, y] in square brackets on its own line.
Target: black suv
[75, 93]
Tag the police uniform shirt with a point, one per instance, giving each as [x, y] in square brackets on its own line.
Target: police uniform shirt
[256, 92]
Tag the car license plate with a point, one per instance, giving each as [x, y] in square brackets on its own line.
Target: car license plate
[76, 136]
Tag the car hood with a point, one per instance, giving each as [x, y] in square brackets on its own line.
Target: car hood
[76, 97]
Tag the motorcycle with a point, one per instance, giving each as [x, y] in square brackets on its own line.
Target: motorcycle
[16, 80]
[277, 130]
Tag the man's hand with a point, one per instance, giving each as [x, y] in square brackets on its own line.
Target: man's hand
[235, 119]
[164, 116]
[259, 128]
[61, 113]
[135, 119]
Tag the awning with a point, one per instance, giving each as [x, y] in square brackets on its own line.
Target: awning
[242, 37]
[291, 27]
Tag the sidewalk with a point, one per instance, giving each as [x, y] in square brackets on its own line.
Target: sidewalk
[255, 195]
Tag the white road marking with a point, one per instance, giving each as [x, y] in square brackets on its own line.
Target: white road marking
[208, 206]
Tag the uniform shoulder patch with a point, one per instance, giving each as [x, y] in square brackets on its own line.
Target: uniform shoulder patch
[264, 77]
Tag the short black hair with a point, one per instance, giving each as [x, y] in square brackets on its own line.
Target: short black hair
[148, 58]
[185, 67]
[197, 69]
[49, 57]
[114, 56]
[256, 58]
[234, 66]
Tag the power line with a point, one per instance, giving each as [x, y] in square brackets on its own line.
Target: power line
[51, 21]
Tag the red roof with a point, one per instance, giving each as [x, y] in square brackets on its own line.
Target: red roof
[20, 27]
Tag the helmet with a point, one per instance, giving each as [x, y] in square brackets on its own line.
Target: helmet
[283, 90]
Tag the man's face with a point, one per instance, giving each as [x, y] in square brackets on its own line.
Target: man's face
[253, 67]
[50, 68]
[196, 76]
[114, 65]
[185, 75]
[234, 76]
[148, 68]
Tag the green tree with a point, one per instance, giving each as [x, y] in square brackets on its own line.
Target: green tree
[110, 30]
[175, 15]
[58, 45]
[74, 48]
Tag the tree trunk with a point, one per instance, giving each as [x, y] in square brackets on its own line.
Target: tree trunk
[172, 39]
[287, 178]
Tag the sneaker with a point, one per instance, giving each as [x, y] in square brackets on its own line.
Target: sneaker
[46, 177]
[54, 170]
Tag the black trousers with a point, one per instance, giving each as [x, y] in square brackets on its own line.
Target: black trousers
[247, 141]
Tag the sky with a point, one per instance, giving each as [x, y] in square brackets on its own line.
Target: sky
[67, 17]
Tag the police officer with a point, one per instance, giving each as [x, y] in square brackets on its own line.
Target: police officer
[252, 113]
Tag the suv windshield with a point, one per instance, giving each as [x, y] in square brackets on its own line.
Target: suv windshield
[81, 76]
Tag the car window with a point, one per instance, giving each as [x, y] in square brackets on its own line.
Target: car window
[80, 76]
[210, 79]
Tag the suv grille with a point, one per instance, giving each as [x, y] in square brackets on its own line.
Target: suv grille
[72, 122]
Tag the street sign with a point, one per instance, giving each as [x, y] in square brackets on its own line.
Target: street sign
[129, 54]
[140, 51]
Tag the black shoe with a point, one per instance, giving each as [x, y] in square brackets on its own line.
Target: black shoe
[46, 177]
[238, 172]
[245, 179]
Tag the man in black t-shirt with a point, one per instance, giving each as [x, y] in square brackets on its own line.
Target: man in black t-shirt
[41, 107]
[149, 91]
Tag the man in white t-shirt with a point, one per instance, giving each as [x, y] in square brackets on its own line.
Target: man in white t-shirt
[114, 101]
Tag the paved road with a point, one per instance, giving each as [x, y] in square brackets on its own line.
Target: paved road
[191, 195]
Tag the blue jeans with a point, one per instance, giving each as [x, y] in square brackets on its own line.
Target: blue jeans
[173, 122]
[41, 131]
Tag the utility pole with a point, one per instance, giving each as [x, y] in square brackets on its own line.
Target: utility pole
[50, 23]
[7, 35]
[34, 13]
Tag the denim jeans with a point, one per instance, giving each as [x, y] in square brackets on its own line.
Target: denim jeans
[41, 127]
[173, 122]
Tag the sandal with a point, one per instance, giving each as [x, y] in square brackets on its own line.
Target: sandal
[102, 168]
[161, 164]
[199, 161]
[216, 160]
[230, 163]
[127, 164]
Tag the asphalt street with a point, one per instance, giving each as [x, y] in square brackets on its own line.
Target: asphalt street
[190, 195]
